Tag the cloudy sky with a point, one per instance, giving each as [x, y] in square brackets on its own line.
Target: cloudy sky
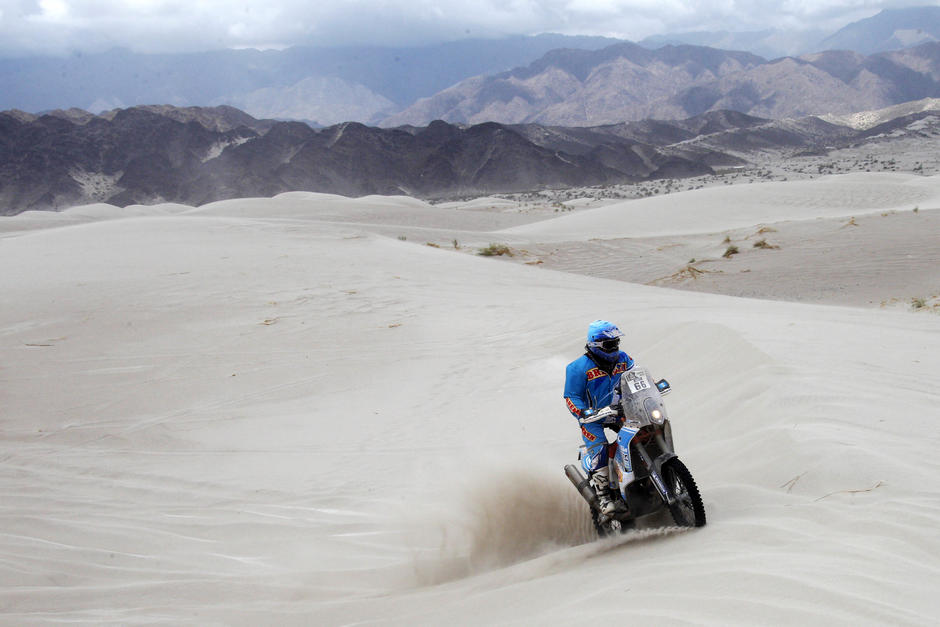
[70, 26]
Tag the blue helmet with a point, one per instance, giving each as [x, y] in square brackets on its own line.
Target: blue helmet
[603, 339]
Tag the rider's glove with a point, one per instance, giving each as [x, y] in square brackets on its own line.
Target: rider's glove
[614, 420]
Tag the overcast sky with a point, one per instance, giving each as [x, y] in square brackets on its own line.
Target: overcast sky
[69, 26]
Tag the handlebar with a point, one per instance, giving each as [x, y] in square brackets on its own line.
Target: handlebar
[602, 415]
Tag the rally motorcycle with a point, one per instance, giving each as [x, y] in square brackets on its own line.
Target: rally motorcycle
[646, 476]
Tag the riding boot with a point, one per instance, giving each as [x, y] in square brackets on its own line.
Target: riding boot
[600, 481]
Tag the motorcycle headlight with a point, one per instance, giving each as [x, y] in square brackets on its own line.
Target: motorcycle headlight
[655, 411]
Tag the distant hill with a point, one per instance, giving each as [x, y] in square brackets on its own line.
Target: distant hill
[770, 43]
[864, 120]
[891, 29]
[627, 82]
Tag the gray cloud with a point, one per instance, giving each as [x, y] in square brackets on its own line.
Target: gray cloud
[69, 26]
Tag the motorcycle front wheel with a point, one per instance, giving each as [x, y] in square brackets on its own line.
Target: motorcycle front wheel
[687, 509]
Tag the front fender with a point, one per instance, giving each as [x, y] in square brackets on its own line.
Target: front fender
[662, 459]
[655, 467]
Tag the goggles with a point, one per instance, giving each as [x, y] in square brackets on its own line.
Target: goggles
[608, 346]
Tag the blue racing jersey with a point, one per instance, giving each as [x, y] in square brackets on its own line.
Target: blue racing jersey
[588, 386]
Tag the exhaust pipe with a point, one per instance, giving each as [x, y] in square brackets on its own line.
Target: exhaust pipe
[581, 484]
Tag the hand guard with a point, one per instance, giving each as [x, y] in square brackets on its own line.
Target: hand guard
[608, 416]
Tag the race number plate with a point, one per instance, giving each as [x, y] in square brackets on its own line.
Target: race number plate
[637, 381]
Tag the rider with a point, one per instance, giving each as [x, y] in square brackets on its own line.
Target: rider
[590, 385]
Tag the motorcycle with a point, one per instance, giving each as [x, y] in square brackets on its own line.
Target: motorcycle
[646, 475]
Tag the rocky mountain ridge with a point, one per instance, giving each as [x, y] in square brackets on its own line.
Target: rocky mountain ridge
[148, 155]
[628, 82]
[221, 118]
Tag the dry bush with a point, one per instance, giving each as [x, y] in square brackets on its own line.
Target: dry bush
[495, 250]
[763, 244]
[688, 272]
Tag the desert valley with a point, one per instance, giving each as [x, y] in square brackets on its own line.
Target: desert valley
[314, 408]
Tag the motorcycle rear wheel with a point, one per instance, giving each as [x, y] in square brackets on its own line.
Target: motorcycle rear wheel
[687, 509]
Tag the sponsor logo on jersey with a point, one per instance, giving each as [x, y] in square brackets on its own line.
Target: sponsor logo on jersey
[590, 437]
[572, 407]
[597, 373]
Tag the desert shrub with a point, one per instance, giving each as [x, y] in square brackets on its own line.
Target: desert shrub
[763, 244]
[731, 250]
[495, 250]
[918, 303]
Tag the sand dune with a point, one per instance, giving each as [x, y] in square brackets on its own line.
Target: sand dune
[718, 209]
[244, 413]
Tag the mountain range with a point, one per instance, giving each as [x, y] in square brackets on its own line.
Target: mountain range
[324, 86]
[146, 155]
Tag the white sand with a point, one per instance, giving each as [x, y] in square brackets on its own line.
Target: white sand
[245, 414]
